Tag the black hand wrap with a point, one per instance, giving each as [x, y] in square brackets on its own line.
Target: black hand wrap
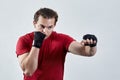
[38, 39]
[90, 36]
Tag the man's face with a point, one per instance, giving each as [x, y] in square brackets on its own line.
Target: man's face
[45, 25]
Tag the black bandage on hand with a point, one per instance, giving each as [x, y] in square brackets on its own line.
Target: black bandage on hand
[38, 39]
[90, 36]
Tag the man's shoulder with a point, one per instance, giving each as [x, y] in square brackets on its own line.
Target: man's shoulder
[57, 34]
[27, 36]
[60, 35]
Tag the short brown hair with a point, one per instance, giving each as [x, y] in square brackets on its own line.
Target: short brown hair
[46, 13]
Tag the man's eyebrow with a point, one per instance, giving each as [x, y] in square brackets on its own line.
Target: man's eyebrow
[42, 26]
[50, 26]
[46, 26]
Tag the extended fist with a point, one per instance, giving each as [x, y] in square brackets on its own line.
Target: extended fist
[90, 40]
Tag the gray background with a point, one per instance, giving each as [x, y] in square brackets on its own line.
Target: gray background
[76, 18]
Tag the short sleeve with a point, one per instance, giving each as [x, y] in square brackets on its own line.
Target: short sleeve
[22, 46]
[67, 41]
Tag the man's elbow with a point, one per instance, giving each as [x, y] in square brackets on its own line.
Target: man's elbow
[28, 72]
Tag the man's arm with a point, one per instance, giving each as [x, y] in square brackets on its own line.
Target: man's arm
[87, 47]
[29, 61]
[79, 49]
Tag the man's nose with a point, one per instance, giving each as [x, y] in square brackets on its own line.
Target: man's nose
[44, 30]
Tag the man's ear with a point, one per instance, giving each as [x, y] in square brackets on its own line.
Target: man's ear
[34, 23]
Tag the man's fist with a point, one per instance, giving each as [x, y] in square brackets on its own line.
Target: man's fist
[38, 39]
[91, 40]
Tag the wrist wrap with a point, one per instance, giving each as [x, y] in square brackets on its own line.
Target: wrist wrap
[38, 39]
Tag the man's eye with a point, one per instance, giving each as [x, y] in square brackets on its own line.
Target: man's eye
[42, 26]
[49, 27]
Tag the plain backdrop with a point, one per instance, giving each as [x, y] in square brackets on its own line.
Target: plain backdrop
[76, 18]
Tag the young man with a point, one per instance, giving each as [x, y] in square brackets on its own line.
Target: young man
[41, 53]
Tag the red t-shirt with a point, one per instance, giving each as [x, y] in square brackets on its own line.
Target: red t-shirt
[51, 57]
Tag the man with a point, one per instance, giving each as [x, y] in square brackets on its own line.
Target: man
[41, 53]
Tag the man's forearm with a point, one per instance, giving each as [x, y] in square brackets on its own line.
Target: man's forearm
[30, 63]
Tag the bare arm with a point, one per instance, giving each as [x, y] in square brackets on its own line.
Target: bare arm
[80, 49]
[29, 61]
[87, 47]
